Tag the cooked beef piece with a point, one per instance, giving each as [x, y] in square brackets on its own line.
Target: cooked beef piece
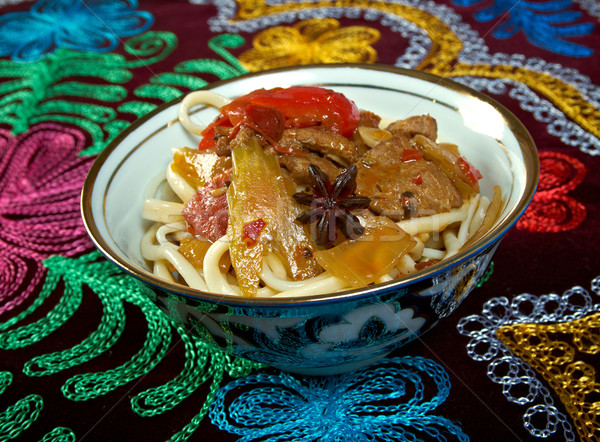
[330, 144]
[369, 119]
[297, 165]
[403, 189]
[222, 147]
[418, 124]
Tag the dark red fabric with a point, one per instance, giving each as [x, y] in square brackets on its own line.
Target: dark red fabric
[547, 252]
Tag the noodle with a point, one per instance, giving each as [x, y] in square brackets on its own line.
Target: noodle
[198, 98]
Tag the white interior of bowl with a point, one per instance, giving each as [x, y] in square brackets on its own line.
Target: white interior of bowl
[479, 129]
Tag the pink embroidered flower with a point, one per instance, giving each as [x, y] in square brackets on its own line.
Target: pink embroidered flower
[41, 178]
[551, 209]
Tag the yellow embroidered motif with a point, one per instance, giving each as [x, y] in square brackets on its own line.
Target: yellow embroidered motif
[562, 354]
[318, 40]
[564, 96]
[442, 58]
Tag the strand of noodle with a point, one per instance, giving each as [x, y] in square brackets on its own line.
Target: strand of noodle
[406, 265]
[417, 251]
[282, 284]
[187, 271]
[451, 241]
[194, 99]
[433, 223]
[180, 235]
[266, 292]
[161, 270]
[329, 284]
[479, 215]
[162, 211]
[215, 279]
[454, 239]
[152, 188]
[164, 230]
[430, 253]
[463, 231]
[180, 186]
[276, 266]
[148, 249]
[153, 252]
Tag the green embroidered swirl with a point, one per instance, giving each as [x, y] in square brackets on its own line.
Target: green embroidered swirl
[59, 434]
[70, 87]
[5, 380]
[19, 417]
[150, 47]
[71, 278]
[168, 86]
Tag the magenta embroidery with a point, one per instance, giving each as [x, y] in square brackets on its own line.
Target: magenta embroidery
[41, 178]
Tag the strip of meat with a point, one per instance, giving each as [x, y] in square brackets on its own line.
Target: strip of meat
[330, 144]
[369, 119]
[404, 186]
[297, 166]
[418, 124]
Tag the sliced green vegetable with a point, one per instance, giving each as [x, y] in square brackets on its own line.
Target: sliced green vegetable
[262, 217]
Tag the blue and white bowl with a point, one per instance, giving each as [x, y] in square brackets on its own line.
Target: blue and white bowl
[331, 333]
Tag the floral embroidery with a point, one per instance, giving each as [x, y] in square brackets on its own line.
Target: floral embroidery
[318, 40]
[440, 42]
[551, 210]
[282, 407]
[553, 336]
[93, 25]
[40, 185]
[543, 23]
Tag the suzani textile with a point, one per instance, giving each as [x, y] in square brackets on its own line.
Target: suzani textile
[85, 354]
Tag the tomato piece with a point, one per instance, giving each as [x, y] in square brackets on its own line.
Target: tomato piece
[411, 155]
[267, 121]
[208, 134]
[208, 139]
[469, 170]
[301, 105]
[251, 231]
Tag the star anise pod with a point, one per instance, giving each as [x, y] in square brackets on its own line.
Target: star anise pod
[331, 205]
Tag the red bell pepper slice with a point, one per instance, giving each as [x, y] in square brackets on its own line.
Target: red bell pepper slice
[301, 106]
[469, 170]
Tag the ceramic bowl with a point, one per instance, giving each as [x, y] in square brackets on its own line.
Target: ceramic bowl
[330, 333]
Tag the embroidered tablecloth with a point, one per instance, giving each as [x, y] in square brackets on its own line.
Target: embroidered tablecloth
[84, 356]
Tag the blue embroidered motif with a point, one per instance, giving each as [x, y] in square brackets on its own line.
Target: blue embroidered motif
[391, 401]
[93, 25]
[546, 25]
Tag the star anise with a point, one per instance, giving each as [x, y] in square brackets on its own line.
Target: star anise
[331, 205]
